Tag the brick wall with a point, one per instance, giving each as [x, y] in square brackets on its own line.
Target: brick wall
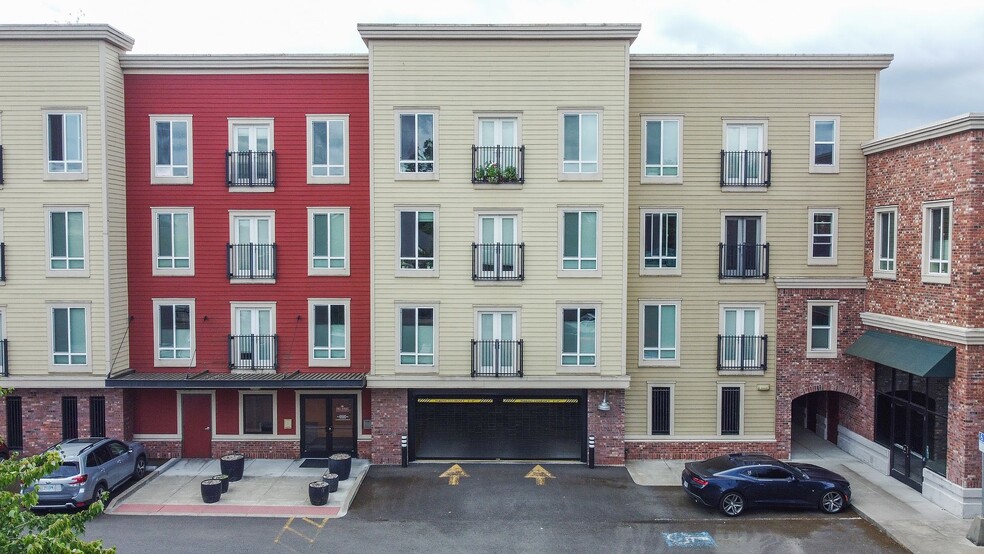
[277, 450]
[389, 424]
[607, 427]
[41, 414]
[698, 450]
[966, 417]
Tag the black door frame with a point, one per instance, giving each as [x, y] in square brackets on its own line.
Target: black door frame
[329, 449]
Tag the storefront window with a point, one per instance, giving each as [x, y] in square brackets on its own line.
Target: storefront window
[911, 412]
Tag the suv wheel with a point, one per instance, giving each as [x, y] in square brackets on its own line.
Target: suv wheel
[140, 468]
[98, 492]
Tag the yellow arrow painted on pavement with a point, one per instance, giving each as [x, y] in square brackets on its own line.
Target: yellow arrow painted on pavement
[454, 475]
[541, 475]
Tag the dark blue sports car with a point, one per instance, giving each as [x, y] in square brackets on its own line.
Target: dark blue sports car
[735, 482]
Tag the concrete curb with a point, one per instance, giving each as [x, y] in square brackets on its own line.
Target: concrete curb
[355, 488]
[139, 485]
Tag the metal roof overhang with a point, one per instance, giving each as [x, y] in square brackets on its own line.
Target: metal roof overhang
[208, 380]
[919, 357]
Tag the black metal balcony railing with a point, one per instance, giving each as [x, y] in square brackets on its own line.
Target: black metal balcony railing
[498, 164]
[251, 169]
[253, 352]
[1, 164]
[497, 262]
[744, 261]
[742, 352]
[743, 168]
[3, 262]
[497, 358]
[251, 261]
[3, 358]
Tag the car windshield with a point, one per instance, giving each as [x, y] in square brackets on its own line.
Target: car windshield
[67, 469]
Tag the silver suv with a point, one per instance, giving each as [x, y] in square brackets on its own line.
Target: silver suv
[89, 467]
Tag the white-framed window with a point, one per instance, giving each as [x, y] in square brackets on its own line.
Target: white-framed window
[3, 338]
[580, 232]
[659, 332]
[731, 408]
[254, 345]
[328, 241]
[252, 246]
[498, 154]
[66, 230]
[660, 241]
[498, 247]
[497, 348]
[171, 150]
[821, 340]
[824, 143]
[174, 241]
[174, 332]
[328, 332]
[742, 346]
[69, 326]
[744, 248]
[886, 235]
[580, 144]
[416, 145]
[661, 408]
[417, 336]
[746, 161]
[578, 336]
[823, 236]
[64, 144]
[328, 149]
[252, 163]
[937, 246]
[662, 149]
[416, 249]
[257, 413]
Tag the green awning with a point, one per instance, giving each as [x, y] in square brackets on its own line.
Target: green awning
[919, 357]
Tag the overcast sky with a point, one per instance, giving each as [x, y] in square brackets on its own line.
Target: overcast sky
[938, 45]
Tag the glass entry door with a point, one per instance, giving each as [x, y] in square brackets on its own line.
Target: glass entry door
[328, 425]
[908, 445]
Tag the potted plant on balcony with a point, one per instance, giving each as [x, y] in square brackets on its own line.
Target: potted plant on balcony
[509, 174]
[493, 174]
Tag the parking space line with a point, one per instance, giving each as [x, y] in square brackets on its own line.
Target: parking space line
[289, 527]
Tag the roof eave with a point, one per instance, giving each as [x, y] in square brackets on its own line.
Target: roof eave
[98, 31]
[961, 123]
[760, 61]
[606, 31]
[244, 62]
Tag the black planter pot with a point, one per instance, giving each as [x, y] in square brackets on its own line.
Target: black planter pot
[331, 479]
[341, 465]
[211, 491]
[225, 482]
[318, 492]
[233, 465]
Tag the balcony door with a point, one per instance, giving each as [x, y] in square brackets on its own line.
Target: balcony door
[252, 246]
[503, 132]
[253, 146]
[498, 244]
[742, 237]
[741, 139]
[497, 342]
[740, 329]
[253, 346]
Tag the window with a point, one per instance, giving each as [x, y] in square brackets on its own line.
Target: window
[328, 244]
[417, 136]
[661, 152]
[15, 423]
[4, 370]
[252, 162]
[498, 157]
[744, 252]
[822, 329]
[97, 416]
[254, 342]
[328, 150]
[417, 336]
[886, 230]
[661, 410]
[745, 160]
[329, 332]
[581, 144]
[742, 342]
[497, 350]
[660, 242]
[498, 251]
[64, 144]
[69, 336]
[659, 328]
[70, 417]
[579, 344]
[258, 412]
[824, 147]
[174, 332]
[937, 229]
[417, 246]
[170, 149]
[174, 241]
[731, 398]
[252, 248]
[580, 230]
[66, 230]
[823, 237]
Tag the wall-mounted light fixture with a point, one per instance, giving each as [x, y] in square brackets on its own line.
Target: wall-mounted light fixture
[604, 406]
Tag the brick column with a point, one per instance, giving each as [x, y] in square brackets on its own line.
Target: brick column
[389, 424]
[607, 427]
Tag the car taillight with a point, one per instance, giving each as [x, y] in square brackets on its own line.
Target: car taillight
[698, 481]
[79, 479]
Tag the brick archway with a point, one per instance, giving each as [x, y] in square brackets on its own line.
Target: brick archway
[853, 390]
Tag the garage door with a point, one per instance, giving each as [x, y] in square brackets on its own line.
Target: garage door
[498, 427]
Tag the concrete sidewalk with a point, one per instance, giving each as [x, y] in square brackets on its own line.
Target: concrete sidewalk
[269, 488]
[899, 511]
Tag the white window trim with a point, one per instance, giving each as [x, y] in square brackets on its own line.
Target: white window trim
[665, 362]
[344, 271]
[158, 180]
[514, 309]
[327, 179]
[403, 272]
[762, 121]
[84, 272]
[760, 331]
[69, 368]
[161, 362]
[415, 368]
[256, 121]
[594, 176]
[741, 403]
[810, 258]
[835, 166]
[242, 415]
[58, 175]
[875, 271]
[927, 277]
[561, 368]
[762, 215]
[812, 352]
[233, 214]
[643, 270]
[650, 385]
[479, 116]
[661, 179]
[597, 272]
[416, 176]
[330, 362]
[155, 270]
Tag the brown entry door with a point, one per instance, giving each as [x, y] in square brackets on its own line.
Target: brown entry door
[196, 426]
[328, 425]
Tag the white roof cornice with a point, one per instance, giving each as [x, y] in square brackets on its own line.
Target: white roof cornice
[610, 31]
[759, 61]
[245, 63]
[952, 126]
[67, 32]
